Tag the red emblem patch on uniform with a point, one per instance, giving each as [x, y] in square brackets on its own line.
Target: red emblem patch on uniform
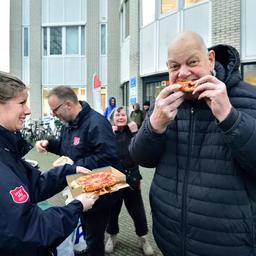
[19, 195]
[76, 140]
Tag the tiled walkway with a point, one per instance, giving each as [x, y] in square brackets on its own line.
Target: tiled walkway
[127, 244]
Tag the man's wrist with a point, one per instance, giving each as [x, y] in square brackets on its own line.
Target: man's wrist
[224, 115]
[155, 128]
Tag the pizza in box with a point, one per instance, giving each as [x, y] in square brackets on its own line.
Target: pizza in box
[95, 181]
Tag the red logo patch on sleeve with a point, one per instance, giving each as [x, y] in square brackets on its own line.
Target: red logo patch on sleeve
[76, 140]
[19, 195]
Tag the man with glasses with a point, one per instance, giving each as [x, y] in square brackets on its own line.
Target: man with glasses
[87, 138]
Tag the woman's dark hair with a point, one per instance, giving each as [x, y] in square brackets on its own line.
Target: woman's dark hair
[10, 87]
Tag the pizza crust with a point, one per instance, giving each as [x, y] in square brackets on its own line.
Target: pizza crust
[186, 86]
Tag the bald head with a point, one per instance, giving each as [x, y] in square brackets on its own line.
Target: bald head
[189, 40]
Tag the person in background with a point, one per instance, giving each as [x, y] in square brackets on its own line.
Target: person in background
[137, 115]
[27, 230]
[87, 138]
[132, 198]
[111, 106]
[203, 147]
[146, 106]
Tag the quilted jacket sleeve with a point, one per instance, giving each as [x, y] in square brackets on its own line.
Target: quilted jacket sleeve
[239, 130]
[147, 147]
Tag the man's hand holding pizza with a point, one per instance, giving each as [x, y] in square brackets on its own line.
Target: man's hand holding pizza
[166, 107]
[214, 92]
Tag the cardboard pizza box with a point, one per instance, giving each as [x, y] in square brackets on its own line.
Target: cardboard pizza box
[121, 178]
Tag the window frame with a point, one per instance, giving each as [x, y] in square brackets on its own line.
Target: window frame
[25, 48]
[105, 39]
[81, 44]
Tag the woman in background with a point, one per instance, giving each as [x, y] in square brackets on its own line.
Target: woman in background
[131, 196]
[111, 106]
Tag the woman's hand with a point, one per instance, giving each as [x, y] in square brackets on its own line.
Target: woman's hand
[133, 126]
[82, 170]
[41, 146]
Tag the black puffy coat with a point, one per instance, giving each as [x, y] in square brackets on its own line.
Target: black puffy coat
[203, 194]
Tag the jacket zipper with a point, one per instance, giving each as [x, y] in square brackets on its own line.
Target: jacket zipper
[185, 186]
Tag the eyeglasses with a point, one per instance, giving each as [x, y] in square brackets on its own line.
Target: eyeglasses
[57, 108]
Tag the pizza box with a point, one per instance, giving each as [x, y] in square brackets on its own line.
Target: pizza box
[118, 175]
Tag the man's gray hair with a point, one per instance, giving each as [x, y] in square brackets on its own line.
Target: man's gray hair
[64, 93]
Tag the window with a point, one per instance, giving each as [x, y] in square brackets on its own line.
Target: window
[249, 73]
[103, 39]
[25, 41]
[72, 40]
[153, 85]
[124, 20]
[55, 41]
[191, 2]
[127, 15]
[126, 94]
[168, 5]
[45, 41]
[83, 40]
[148, 11]
[67, 40]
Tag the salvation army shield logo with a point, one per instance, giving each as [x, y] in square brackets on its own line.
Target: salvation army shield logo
[76, 140]
[19, 195]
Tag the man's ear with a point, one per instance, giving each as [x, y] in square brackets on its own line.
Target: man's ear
[68, 103]
[211, 57]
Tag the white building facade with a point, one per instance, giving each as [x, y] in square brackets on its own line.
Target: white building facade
[217, 21]
[123, 42]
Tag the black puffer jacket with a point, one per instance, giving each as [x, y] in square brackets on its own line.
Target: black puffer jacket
[203, 195]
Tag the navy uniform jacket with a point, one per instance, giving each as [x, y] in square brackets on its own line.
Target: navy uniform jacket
[25, 229]
[89, 141]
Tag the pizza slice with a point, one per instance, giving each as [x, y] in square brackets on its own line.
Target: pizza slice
[186, 86]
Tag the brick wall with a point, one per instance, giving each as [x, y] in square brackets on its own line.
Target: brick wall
[226, 22]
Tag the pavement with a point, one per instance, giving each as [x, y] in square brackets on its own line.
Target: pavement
[127, 241]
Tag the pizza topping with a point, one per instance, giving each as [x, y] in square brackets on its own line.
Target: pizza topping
[95, 181]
